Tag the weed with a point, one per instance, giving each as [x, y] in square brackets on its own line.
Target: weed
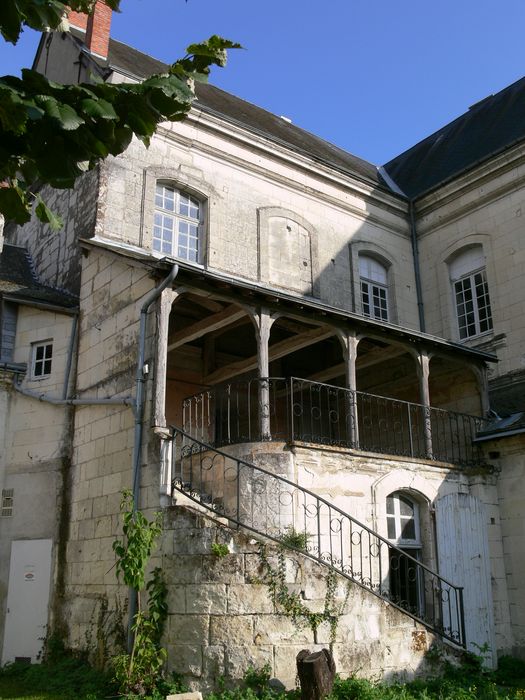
[294, 539]
[219, 550]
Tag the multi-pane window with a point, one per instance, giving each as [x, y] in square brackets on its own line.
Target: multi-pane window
[471, 293]
[402, 519]
[373, 279]
[177, 223]
[405, 581]
[42, 359]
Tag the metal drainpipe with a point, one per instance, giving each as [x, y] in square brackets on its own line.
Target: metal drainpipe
[69, 361]
[415, 252]
[139, 412]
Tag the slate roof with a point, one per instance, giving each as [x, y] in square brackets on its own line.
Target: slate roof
[249, 116]
[19, 282]
[489, 127]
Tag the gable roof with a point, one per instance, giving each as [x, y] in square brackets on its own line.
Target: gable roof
[126, 59]
[19, 283]
[488, 128]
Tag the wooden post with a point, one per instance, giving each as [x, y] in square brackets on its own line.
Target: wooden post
[263, 324]
[350, 341]
[316, 673]
[165, 303]
[424, 392]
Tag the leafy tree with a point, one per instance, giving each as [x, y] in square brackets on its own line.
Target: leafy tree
[52, 133]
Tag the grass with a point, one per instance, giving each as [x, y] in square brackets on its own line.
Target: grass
[70, 678]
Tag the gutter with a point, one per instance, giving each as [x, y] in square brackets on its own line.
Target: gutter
[417, 269]
[142, 372]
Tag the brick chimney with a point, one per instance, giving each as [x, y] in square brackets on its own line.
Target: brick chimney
[97, 27]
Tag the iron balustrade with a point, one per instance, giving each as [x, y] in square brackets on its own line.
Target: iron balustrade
[306, 411]
[274, 507]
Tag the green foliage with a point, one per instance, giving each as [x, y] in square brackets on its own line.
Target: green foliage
[52, 133]
[219, 549]
[64, 675]
[293, 539]
[254, 686]
[134, 551]
[140, 672]
[291, 604]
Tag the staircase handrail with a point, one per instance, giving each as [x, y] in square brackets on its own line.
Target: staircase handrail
[459, 639]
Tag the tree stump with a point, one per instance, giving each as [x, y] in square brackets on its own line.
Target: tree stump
[316, 673]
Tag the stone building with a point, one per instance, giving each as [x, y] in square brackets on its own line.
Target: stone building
[275, 340]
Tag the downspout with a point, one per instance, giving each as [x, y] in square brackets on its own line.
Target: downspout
[139, 413]
[140, 379]
[417, 271]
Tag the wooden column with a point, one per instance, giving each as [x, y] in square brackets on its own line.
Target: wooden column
[350, 341]
[424, 393]
[263, 323]
[483, 385]
[165, 302]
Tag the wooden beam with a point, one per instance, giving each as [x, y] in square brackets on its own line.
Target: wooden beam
[374, 357]
[205, 302]
[277, 350]
[212, 323]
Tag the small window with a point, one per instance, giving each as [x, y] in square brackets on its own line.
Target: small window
[42, 358]
[402, 519]
[6, 510]
[471, 293]
[177, 223]
[373, 279]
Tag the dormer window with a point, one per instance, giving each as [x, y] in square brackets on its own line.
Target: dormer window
[177, 223]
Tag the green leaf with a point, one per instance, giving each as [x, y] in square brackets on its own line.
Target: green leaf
[14, 204]
[45, 215]
[98, 109]
[65, 115]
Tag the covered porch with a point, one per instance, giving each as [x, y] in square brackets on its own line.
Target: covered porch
[239, 363]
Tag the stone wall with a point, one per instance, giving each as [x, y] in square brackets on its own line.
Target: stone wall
[222, 618]
[511, 493]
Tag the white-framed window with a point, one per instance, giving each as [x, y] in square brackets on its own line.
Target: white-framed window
[402, 520]
[177, 223]
[373, 279]
[471, 293]
[403, 530]
[41, 360]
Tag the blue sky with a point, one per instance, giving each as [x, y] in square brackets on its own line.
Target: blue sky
[372, 76]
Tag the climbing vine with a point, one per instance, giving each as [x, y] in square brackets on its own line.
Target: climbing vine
[291, 604]
[140, 671]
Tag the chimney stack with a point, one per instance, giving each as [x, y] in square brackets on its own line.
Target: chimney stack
[97, 26]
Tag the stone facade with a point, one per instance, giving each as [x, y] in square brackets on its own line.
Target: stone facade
[276, 291]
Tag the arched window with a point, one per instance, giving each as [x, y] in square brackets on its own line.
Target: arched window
[403, 530]
[402, 519]
[177, 223]
[471, 293]
[373, 277]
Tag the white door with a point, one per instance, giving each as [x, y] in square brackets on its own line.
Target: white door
[27, 599]
[464, 559]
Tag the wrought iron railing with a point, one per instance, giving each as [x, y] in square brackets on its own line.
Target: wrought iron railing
[306, 411]
[273, 506]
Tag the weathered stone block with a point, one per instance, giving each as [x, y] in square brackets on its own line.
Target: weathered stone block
[249, 598]
[206, 598]
[230, 630]
[278, 629]
[190, 629]
[185, 659]
[240, 658]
